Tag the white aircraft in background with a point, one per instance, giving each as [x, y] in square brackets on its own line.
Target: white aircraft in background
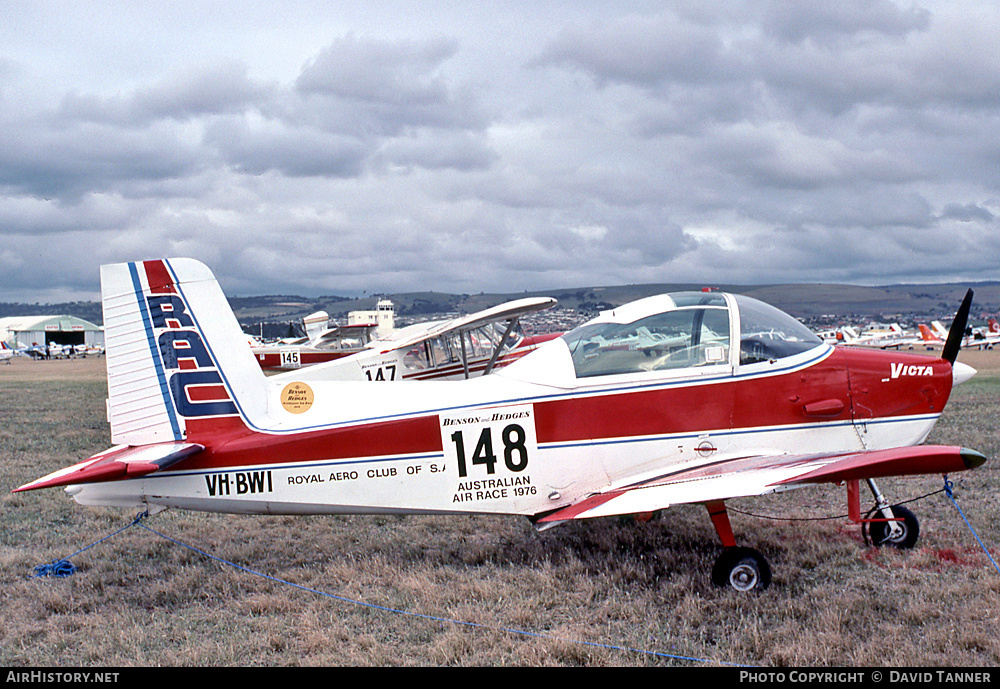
[6, 353]
[35, 351]
[984, 338]
[981, 338]
[439, 350]
[57, 351]
[888, 337]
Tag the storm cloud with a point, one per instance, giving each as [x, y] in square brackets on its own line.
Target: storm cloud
[499, 147]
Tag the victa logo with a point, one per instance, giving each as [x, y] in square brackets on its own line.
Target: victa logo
[897, 370]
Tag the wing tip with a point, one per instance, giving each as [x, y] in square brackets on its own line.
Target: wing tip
[971, 458]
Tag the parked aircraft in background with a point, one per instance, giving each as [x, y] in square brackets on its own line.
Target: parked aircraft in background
[328, 345]
[59, 351]
[984, 338]
[6, 353]
[743, 401]
[323, 342]
[981, 338]
[35, 351]
[451, 349]
[930, 336]
[891, 338]
[887, 337]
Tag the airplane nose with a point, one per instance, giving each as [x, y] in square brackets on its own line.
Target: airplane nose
[961, 372]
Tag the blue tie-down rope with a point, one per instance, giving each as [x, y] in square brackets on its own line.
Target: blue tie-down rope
[948, 491]
[63, 567]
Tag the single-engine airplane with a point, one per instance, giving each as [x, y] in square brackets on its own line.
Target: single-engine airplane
[744, 401]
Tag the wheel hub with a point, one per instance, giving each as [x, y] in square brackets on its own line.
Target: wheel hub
[743, 577]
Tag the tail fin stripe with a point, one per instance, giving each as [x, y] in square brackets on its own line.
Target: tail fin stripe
[219, 405]
[161, 376]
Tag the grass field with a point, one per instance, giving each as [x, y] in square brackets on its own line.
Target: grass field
[379, 591]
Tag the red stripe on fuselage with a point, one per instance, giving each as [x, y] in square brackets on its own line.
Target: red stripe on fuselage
[229, 443]
[730, 404]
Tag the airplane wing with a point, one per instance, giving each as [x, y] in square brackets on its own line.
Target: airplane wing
[118, 463]
[765, 474]
[502, 312]
[340, 332]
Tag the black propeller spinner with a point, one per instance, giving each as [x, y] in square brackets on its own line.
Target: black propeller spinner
[957, 331]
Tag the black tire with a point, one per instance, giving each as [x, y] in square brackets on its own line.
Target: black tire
[742, 569]
[878, 532]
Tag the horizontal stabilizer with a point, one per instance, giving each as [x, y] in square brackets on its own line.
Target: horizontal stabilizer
[116, 464]
[749, 476]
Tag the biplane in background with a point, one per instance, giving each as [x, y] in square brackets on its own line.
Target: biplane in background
[739, 400]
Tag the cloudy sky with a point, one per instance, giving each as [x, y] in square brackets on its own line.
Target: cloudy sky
[338, 147]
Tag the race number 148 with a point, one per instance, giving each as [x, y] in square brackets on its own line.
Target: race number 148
[490, 440]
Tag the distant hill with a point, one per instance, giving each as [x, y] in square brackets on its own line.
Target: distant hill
[87, 310]
[805, 301]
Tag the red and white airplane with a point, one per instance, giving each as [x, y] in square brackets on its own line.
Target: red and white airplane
[744, 401]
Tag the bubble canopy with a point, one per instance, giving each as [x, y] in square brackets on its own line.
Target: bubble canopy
[685, 330]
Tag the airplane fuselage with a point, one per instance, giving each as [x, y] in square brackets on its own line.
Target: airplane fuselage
[501, 445]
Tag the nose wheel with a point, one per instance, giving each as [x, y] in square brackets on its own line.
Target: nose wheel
[899, 529]
[885, 525]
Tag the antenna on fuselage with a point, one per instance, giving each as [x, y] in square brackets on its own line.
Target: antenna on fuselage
[957, 331]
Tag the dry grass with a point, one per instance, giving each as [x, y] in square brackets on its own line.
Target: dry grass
[460, 591]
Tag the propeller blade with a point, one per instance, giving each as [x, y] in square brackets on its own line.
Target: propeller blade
[957, 331]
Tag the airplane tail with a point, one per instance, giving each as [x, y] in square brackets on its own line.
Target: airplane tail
[928, 335]
[315, 324]
[850, 335]
[178, 362]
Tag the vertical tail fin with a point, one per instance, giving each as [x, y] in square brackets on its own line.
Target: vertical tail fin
[177, 359]
[928, 335]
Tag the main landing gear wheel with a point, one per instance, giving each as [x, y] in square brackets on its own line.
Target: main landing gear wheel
[744, 569]
[901, 532]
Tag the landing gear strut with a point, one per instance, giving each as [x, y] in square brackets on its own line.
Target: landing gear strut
[743, 569]
[885, 524]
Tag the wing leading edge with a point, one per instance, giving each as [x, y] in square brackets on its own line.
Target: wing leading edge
[766, 474]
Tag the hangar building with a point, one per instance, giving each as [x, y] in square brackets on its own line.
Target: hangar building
[45, 330]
